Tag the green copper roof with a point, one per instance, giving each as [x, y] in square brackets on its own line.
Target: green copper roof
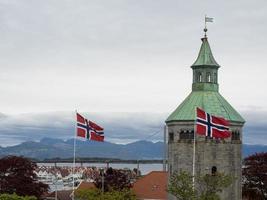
[212, 102]
[205, 57]
[205, 91]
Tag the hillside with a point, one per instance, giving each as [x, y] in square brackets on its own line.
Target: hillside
[52, 148]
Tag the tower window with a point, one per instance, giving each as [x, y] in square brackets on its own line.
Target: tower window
[213, 170]
[208, 77]
[187, 135]
[199, 77]
[191, 134]
[235, 135]
[171, 136]
[182, 135]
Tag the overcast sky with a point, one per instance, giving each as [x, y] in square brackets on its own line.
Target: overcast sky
[127, 55]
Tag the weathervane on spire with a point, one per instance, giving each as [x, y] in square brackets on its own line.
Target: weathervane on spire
[207, 19]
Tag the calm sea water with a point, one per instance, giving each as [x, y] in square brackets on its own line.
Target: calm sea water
[144, 168]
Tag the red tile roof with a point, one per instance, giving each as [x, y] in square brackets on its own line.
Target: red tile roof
[86, 185]
[152, 186]
[61, 195]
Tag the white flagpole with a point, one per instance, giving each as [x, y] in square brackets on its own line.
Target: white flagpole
[74, 154]
[194, 152]
[165, 151]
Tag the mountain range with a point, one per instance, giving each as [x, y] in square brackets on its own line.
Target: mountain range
[48, 148]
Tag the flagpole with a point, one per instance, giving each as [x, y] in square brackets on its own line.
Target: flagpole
[74, 154]
[165, 149]
[205, 29]
[194, 152]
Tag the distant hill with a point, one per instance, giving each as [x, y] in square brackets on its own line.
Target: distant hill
[49, 148]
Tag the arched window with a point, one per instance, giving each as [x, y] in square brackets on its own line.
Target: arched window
[171, 136]
[199, 77]
[235, 135]
[191, 134]
[208, 77]
[182, 135]
[187, 134]
[213, 170]
[215, 77]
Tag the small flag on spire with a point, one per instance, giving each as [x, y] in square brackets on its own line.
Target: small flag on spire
[208, 19]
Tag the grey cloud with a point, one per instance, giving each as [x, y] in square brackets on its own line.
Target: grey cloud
[255, 130]
[119, 127]
[123, 56]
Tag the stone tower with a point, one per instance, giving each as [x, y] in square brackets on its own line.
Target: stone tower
[222, 156]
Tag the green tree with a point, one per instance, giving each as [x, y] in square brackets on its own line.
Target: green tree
[88, 194]
[17, 176]
[255, 177]
[119, 195]
[212, 184]
[96, 194]
[181, 186]
[207, 186]
[113, 180]
[15, 197]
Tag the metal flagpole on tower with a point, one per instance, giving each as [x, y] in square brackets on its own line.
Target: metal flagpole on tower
[194, 152]
[102, 181]
[74, 154]
[165, 149]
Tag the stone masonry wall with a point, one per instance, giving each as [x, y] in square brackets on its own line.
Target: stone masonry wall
[224, 155]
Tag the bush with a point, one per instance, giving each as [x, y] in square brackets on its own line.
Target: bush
[96, 194]
[17, 176]
[16, 197]
[206, 187]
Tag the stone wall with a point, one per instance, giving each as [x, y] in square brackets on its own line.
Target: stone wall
[225, 155]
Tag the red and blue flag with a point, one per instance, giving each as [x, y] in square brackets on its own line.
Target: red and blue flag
[88, 129]
[211, 126]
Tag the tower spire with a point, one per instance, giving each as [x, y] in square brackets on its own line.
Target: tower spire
[205, 68]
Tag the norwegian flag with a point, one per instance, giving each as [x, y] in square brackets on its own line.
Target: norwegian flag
[88, 129]
[211, 126]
